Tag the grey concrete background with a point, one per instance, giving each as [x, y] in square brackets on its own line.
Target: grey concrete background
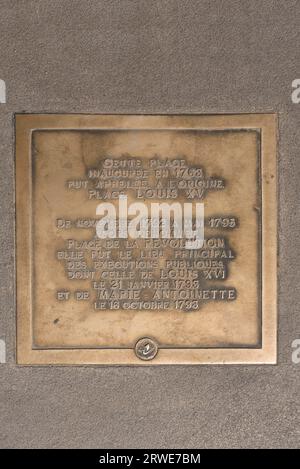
[121, 56]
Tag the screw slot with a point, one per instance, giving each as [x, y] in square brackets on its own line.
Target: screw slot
[146, 348]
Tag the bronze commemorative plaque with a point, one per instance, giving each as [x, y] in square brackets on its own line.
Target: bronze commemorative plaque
[146, 239]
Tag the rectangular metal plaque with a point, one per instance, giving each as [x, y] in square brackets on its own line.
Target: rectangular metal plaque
[99, 283]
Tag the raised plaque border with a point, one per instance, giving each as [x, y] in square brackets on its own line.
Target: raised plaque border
[25, 124]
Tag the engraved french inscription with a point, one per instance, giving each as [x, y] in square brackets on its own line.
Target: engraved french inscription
[139, 231]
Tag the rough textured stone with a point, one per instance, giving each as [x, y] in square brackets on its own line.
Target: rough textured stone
[152, 57]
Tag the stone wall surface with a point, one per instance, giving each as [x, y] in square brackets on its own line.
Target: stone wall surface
[152, 57]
